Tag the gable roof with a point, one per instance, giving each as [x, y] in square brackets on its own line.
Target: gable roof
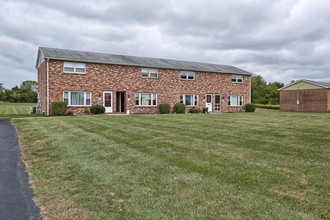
[317, 83]
[93, 57]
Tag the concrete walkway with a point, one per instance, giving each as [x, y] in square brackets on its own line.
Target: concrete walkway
[15, 192]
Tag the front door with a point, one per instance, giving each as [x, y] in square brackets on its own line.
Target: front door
[217, 103]
[107, 101]
[120, 103]
[209, 102]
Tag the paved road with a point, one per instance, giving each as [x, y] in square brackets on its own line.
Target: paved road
[15, 192]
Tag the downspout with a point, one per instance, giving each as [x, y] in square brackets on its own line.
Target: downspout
[250, 89]
[298, 99]
[47, 76]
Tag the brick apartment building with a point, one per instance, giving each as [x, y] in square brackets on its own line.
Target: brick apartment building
[128, 84]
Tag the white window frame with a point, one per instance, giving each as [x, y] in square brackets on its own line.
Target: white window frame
[147, 72]
[195, 99]
[237, 78]
[235, 101]
[67, 96]
[184, 75]
[75, 67]
[153, 96]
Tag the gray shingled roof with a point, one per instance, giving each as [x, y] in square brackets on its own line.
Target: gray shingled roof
[85, 56]
[324, 84]
[319, 83]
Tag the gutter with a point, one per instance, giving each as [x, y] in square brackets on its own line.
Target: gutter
[47, 91]
[250, 89]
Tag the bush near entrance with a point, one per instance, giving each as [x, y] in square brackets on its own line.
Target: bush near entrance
[59, 108]
[180, 108]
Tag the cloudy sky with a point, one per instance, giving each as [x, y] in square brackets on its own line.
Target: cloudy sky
[280, 40]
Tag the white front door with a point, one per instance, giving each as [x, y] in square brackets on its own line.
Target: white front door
[209, 102]
[107, 101]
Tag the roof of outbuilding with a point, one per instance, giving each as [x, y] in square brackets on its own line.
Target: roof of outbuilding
[93, 57]
[318, 83]
[324, 84]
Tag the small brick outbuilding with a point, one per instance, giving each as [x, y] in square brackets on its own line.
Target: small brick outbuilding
[305, 96]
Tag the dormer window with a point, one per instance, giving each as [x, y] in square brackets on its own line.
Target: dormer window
[70, 67]
[149, 73]
[187, 75]
[237, 78]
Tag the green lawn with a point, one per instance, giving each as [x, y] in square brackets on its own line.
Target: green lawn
[262, 165]
[15, 110]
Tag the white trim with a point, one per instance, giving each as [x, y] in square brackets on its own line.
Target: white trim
[303, 80]
[206, 102]
[103, 101]
[149, 72]
[74, 65]
[186, 75]
[220, 104]
[85, 95]
[236, 78]
[152, 96]
[184, 99]
[239, 99]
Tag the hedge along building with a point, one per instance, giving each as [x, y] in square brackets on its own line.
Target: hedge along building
[129, 84]
[305, 96]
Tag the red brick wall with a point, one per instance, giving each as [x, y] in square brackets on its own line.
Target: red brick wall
[328, 101]
[42, 87]
[168, 85]
[310, 100]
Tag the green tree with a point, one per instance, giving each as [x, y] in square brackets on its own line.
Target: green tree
[27, 92]
[2, 92]
[258, 89]
[29, 85]
[263, 92]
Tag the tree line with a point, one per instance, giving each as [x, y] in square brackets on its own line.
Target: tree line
[26, 93]
[263, 92]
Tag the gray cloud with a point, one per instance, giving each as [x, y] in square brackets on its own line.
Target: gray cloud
[278, 39]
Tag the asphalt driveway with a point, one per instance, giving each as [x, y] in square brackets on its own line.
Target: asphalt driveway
[16, 196]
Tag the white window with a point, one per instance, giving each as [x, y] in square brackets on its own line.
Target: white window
[149, 72]
[70, 67]
[235, 100]
[190, 100]
[146, 99]
[187, 75]
[237, 78]
[77, 98]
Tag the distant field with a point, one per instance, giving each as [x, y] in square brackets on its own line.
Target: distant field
[15, 110]
[262, 165]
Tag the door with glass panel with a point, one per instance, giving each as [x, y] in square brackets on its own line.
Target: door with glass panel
[209, 102]
[107, 101]
[217, 103]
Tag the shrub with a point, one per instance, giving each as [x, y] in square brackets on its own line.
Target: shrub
[59, 108]
[194, 110]
[179, 108]
[275, 107]
[97, 109]
[250, 107]
[164, 108]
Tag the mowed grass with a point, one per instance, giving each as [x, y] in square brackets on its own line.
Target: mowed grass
[262, 165]
[15, 110]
